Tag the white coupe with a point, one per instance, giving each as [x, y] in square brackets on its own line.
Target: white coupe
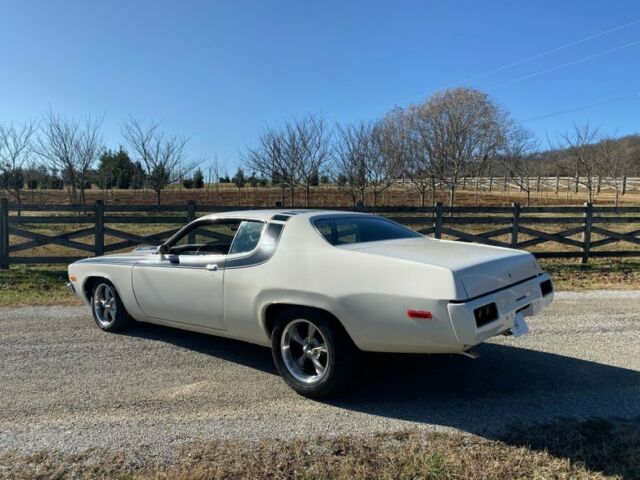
[319, 287]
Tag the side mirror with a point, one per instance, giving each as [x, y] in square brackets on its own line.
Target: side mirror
[164, 249]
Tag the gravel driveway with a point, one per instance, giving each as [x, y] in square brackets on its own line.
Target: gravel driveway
[66, 385]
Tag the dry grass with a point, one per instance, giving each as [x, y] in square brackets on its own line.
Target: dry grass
[566, 449]
[34, 285]
[325, 196]
[598, 274]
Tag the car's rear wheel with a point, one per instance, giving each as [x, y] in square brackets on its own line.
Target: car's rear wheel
[312, 353]
[107, 308]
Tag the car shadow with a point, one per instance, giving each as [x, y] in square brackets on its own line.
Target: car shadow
[508, 389]
[243, 353]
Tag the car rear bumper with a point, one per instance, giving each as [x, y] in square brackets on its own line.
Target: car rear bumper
[525, 298]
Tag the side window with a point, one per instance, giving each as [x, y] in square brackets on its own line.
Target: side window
[206, 238]
[215, 234]
[247, 237]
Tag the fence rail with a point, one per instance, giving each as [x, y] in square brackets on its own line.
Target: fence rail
[557, 184]
[576, 232]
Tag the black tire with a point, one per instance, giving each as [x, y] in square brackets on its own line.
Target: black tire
[112, 319]
[341, 356]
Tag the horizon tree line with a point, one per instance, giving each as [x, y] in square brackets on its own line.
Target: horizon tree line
[434, 145]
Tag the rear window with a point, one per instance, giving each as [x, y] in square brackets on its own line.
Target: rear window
[346, 230]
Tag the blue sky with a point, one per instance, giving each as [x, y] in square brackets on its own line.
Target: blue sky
[219, 71]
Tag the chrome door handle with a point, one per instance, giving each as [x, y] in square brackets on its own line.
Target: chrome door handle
[212, 267]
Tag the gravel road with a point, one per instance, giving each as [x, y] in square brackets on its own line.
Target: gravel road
[66, 385]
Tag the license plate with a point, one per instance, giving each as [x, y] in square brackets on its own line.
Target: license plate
[520, 326]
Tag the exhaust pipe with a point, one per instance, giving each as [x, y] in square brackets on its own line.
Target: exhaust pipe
[470, 354]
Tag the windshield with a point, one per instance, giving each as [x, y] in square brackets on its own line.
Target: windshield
[359, 229]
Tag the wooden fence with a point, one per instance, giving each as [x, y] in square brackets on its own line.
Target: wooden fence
[573, 232]
[558, 184]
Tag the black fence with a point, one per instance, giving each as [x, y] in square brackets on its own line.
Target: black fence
[88, 230]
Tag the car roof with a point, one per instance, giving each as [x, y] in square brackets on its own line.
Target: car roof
[268, 214]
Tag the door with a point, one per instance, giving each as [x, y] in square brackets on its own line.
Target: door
[186, 285]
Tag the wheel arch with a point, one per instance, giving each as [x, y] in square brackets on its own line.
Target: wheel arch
[91, 280]
[272, 311]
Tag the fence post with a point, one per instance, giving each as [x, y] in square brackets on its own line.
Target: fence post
[586, 235]
[99, 228]
[437, 224]
[4, 233]
[624, 185]
[191, 216]
[515, 225]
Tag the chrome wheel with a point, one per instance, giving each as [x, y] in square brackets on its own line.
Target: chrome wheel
[304, 351]
[104, 304]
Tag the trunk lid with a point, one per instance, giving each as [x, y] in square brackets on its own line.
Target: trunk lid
[480, 268]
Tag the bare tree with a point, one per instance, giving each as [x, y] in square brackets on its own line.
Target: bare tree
[419, 167]
[276, 158]
[313, 144]
[16, 149]
[612, 162]
[214, 174]
[519, 160]
[350, 163]
[163, 156]
[579, 143]
[462, 129]
[72, 147]
[387, 154]
[293, 152]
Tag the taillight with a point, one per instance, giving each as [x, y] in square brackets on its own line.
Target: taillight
[485, 314]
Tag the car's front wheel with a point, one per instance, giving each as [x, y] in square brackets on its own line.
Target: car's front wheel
[107, 308]
[313, 354]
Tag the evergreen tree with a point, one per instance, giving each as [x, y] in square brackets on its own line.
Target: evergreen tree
[115, 170]
[198, 179]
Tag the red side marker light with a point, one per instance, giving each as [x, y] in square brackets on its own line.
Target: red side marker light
[423, 314]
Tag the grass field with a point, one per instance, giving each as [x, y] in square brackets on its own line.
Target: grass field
[34, 285]
[567, 449]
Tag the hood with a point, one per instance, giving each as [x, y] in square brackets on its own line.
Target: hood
[480, 268]
[131, 257]
[147, 249]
